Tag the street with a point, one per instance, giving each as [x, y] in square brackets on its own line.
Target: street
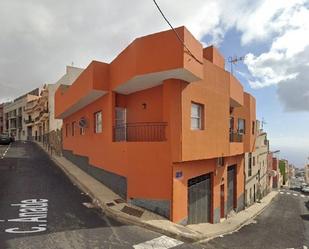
[36, 195]
[284, 224]
[41, 208]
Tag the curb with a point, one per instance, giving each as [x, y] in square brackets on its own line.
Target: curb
[119, 216]
[242, 224]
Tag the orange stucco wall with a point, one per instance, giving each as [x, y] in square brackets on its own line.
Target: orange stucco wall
[191, 169]
[213, 93]
[150, 166]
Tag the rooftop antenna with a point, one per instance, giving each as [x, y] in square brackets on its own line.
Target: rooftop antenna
[233, 60]
[263, 123]
[72, 63]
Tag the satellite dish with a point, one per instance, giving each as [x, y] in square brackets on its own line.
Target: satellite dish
[82, 123]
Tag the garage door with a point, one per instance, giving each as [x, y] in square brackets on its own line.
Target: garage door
[199, 199]
[231, 188]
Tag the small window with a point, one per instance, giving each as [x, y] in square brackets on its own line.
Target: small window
[67, 130]
[73, 128]
[98, 122]
[241, 126]
[197, 111]
[253, 162]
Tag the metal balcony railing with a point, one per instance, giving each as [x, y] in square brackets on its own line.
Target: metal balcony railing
[236, 137]
[140, 132]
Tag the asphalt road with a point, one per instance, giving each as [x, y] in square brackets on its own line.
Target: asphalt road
[283, 224]
[40, 208]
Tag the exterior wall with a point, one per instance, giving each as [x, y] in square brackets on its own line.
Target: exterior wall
[213, 94]
[191, 169]
[1, 119]
[256, 183]
[156, 89]
[16, 124]
[72, 73]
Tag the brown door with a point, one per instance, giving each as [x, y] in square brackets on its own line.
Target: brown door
[222, 201]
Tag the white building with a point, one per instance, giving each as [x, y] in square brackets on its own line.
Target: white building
[14, 115]
[256, 168]
[68, 78]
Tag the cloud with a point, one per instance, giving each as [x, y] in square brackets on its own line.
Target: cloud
[285, 63]
[40, 37]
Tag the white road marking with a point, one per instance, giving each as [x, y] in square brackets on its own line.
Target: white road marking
[295, 194]
[305, 247]
[162, 242]
[288, 193]
[281, 193]
[6, 151]
[302, 196]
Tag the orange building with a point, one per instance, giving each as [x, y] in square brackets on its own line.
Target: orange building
[165, 130]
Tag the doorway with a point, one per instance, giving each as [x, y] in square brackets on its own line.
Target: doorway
[222, 209]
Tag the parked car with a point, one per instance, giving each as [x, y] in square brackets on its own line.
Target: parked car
[5, 139]
[305, 188]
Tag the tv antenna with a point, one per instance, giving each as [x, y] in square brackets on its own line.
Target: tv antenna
[233, 60]
[263, 123]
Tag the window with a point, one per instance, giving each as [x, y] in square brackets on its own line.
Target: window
[241, 126]
[67, 130]
[253, 127]
[98, 122]
[197, 111]
[73, 128]
[253, 162]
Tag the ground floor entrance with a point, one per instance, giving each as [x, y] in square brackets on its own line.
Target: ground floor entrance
[199, 199]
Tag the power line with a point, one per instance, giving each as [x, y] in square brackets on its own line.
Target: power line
[179, 38]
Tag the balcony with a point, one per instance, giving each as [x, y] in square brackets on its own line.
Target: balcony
[236, 137]
[28, 121]
[236, 143]
[140, 132]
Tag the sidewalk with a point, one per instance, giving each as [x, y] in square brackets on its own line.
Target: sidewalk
[113, 206]
[236, 222]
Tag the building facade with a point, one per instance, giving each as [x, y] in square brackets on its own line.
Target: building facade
[14, 115]
[307, 173]
[40, 112]
[1, 119]
[256, 169]
[284, 171]
[164, 130]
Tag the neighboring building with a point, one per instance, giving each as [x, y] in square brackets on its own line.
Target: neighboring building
[164, 130]
[277, 177]
[1, 119]
[307, 173]
[256, 168]
[291, 171]
[14, 115]
[284, 171]
[40, 119]
[270, 172]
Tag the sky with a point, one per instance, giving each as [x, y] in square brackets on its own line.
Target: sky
[40, 37]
